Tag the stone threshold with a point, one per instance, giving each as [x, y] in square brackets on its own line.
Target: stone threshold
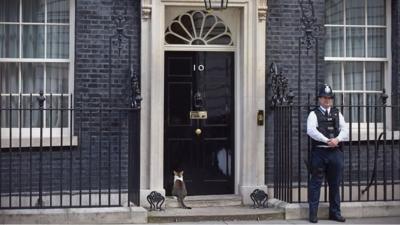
[228, 213]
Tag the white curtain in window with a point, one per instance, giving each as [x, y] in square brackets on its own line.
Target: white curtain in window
[9, 44]
[33, 11]
[30, 117]
[9, 84]
[377, 42]
[9, 81]
[353, 76]
[57, 41]
[58, 11]
[334, 11]
[334, 42]
[374, 76]
[32, 81]
[355, 12]
[60, 114]
[353, 81]
[376, 12]
[32, 75]
[334, 75]
[9, 10]
[33, 41]
[355, 42]
[57, 83]
[57, 78]
[8, 102]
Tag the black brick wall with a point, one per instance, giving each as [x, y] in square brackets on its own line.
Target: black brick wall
[282, 47]
[92, 87]
[395, 48]
[396, 58]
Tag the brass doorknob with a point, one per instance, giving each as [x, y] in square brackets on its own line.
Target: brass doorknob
[198, 131]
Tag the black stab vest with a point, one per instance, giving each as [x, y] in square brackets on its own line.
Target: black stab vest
[328, 125]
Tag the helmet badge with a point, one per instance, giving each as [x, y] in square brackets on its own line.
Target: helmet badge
[327, 89]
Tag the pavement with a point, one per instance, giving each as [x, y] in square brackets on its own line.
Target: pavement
[374, 220]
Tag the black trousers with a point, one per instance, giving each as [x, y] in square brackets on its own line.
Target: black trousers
[325, 162]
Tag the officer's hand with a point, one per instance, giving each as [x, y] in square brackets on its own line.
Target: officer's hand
[333, 142]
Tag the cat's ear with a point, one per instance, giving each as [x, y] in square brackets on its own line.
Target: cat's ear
[181, 173]
[175, 173]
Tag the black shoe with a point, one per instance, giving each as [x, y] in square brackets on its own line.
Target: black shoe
[337, 218]
[313, 219]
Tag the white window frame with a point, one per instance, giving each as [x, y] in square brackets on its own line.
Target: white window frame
[26, 133]
[386, 60]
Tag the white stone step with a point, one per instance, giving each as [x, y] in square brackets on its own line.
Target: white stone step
[205, 201]
[204, 214]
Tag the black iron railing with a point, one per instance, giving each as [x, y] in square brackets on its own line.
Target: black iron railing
[57, 156]
[372, 152]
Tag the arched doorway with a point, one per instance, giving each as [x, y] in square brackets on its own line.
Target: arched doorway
[246, 20]
[199, 104]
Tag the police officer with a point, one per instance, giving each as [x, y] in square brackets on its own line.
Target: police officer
[327, 128]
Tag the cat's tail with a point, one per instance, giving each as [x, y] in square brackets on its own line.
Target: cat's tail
[180, 200]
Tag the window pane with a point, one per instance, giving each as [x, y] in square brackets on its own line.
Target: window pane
[57, 78]
[5, 114]
[9, 78]
[9, 11]
[353, 76]
[58, 11]
[9, 44]
[351, 101]
[58, 113]
[374, 75]
[173, 39]
[376, 12]
[376, 42]
[218, 29]
[355, 42]
[33, 11]
[333, 75]
[30, 115]
[33, 41]
[198, 22]
[334, 42]
[374, 113]
[355, 12]
[334, 11]
[338, 99]
[57, 42]
[32, 77]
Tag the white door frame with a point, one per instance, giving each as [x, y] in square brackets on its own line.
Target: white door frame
[249, 93]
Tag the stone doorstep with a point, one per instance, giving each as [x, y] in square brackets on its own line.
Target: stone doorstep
[229, 213]
[120, 215]
[205, 201]
[112, 215]
[349, 209]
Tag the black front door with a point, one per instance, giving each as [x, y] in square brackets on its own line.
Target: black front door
[201, 83]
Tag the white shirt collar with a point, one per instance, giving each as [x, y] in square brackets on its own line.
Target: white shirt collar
[323, 109]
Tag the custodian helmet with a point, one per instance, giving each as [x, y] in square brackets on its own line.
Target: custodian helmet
[325, 91]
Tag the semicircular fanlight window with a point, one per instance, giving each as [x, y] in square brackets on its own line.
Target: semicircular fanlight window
[198, 28]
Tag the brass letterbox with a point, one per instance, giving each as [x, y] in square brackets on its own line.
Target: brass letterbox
[198, 115]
